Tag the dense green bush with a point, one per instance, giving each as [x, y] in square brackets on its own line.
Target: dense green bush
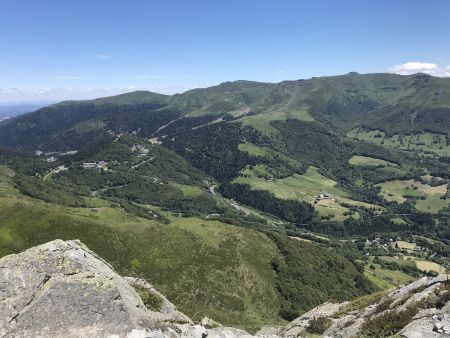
[389, 323]
[318, 325]
[151, 300]
[48, 191]
[290, 210]
[309, 274]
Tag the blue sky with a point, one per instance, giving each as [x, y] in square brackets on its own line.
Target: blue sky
[73, 49]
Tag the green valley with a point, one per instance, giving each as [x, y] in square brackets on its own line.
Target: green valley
[247, 202]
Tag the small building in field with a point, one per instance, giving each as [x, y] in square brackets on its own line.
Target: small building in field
[155, 140]
[324, 196]
[102, 164]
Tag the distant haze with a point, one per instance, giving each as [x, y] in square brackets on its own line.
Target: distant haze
[12, 109]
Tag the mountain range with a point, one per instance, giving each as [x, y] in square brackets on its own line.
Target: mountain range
[248, 202]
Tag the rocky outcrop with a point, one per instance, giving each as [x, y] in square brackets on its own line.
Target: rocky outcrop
[299, 327]
[62, 289]
[419, 309]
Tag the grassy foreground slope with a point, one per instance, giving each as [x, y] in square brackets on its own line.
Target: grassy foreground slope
[205, 267]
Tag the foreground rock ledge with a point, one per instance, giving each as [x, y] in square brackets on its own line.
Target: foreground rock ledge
[63, 289]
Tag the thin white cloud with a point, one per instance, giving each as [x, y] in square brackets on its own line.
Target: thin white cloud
[280, 72]
[421, 67]
[102, 56]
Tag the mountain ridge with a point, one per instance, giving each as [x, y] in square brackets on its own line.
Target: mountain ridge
[322, 97]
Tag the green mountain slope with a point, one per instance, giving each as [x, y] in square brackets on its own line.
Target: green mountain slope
[320, 122]
[205, 267]
[315, 177]
[392, 103]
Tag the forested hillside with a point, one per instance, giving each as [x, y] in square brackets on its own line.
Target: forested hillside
[265, 199]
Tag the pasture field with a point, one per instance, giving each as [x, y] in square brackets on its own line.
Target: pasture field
[391, 276]
[394, 191]
[432, 204]
[398, 220]
[421, 264]
[254, 150]
[425, 144]
[95, 202]
[298, 187]
[378, 281]
[397, 277]
[399, 260]
[269, 153]
[262, 121]
[301, 115]
[427, 266]
[6, 172]
[428, 198]
[304, 187]
[405, 245]
[335, 212]
[190, 190]
[370, 161]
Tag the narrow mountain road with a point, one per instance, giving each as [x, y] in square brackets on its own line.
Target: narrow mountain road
[166, 125]
[141, 163]
[118, 137]
[54, 171]
[212, 189]
[218, 120]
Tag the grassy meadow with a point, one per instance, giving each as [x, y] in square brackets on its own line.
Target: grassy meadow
[304, 187]
[261, 122]
[424, 143]
[428, 198]
[390, 277]
[205, 267]
[370, 161]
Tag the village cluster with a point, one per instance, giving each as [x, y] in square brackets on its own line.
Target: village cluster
[140, 149]
[50, 157]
